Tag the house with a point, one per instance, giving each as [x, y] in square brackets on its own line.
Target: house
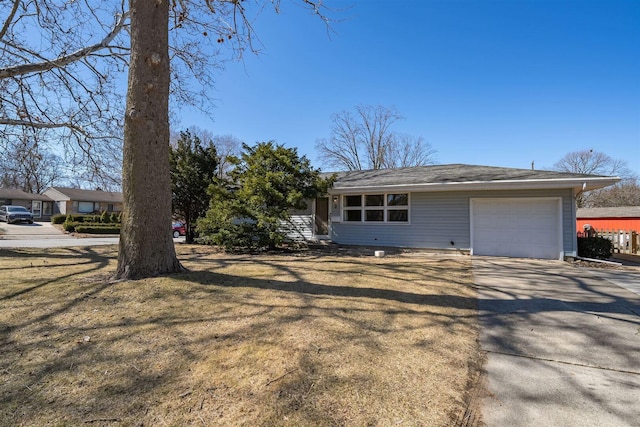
[625, 218]
[77, 201]
[40, 205]
[479, 210]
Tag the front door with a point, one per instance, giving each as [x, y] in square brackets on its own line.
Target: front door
[321, 222]
[36, 209]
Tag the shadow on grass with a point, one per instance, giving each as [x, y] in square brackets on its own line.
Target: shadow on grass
[315, 289]
[147, 339]
[81, 257]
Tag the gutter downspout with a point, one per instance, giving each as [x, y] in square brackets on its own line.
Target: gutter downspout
[575, 209]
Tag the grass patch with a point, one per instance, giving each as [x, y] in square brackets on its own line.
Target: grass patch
[291, 340]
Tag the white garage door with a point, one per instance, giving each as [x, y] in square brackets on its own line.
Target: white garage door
[525, 228]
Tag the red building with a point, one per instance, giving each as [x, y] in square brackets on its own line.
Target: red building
[620, 218]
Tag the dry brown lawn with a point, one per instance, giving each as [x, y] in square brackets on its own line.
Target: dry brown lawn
[307, 339]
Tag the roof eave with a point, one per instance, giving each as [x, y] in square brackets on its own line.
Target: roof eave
[578, 184]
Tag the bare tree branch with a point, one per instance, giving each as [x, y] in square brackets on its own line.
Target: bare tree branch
[595, 163]
[9, 19]
[62, 61]
[365, 141]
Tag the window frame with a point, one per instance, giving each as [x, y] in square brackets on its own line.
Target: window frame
[346, 208]
[82, 206]
[385, 208]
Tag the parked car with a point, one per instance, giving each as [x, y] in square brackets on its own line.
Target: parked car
[11, 213]
[179, 229]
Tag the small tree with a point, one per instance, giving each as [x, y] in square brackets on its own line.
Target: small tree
[267, 183]
[193, 169]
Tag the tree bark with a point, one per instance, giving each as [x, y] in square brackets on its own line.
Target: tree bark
[146, 243]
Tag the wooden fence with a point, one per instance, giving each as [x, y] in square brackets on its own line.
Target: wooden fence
[624, 242]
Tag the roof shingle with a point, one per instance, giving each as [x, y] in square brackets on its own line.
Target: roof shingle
[444, 174]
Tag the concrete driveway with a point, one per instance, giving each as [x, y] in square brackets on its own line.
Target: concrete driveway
[562, 344]
[24, 231]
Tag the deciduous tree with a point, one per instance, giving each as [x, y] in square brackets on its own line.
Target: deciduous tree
[625, 193]
[146, 244]
[592, 162]
[227, 146]
[27, 166]
[596, 163]
[59, 68]
[364, 139]
[58, 63]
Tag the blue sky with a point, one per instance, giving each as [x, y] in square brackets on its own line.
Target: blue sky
[500, 83]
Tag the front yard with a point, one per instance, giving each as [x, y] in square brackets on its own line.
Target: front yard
[307, 339]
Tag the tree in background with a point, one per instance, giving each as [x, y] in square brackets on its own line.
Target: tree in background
[193, 170]
[593, 163]
[363, 139]
[60, 63]
[625, 193]
[27, 166]
[227, 146]
[253, 210]
[596, 163]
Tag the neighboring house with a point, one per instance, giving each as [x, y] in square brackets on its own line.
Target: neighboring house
[479, 210]
[74, 201]
[40, 205]
[625, 218]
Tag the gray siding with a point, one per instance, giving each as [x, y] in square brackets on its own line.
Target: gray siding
[300, 227]
[439, 218]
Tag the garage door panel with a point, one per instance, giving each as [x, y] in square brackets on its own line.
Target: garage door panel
[516, 227]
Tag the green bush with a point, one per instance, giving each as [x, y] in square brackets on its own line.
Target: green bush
[83, 218]
[105, 218]
[69, 226]
[98, 229]
[115, 218]
[595, 247]
[92, 218]
[58, 218]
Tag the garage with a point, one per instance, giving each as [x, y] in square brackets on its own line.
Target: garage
[516, 227]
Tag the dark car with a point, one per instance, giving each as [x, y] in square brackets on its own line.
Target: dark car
[10, 213]
[179, 229]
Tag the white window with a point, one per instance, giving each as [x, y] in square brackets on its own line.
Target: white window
[381, 207]
[352, 208]
[85, 207]
[398, 207]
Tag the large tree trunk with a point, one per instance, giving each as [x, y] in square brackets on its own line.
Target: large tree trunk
[146, 243]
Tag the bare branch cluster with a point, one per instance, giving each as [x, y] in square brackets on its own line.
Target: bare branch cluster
[63, 68]
[625, 193]
[59, 68]
[597, 163]
[227, 146]
[363, 139]
[592, 162]
[29, 168]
